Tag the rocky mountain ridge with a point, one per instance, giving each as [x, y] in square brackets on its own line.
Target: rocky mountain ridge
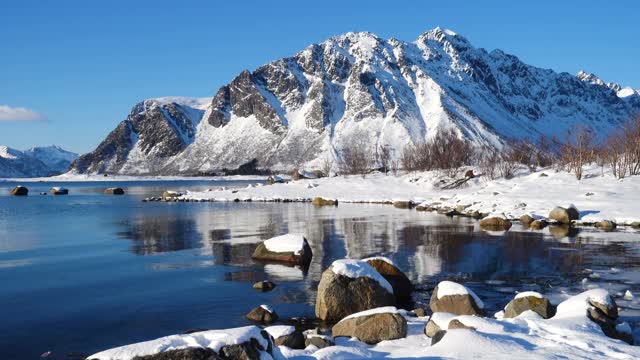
[357, 87]
[34, 162]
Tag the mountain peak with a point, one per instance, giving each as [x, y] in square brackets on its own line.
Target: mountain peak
[443, 36]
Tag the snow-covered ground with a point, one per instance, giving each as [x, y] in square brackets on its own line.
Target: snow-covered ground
[597, 196]
[71, 177]
[568, 335]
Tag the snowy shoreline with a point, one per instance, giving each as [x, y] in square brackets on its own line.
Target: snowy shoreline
[598, 197]
[123, 178]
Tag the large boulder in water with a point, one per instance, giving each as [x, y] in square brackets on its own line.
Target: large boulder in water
[351, 286]
[564, 215]
[320, 201]
[496, 223]
[456, 299]
[373, 326]
[262, 314]
[402, 286]
[114, 191]
[528, 300]
[19, 191]
[59, 191]
[290, 248]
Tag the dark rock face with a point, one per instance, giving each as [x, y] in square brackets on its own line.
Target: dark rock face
[159, 130]
[402, 286]
[372, 329]
[182, 354]
[295, 340]
[438, 336]
[114, 191]
[340, 296]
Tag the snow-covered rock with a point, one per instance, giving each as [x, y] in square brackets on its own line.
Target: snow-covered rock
[451, 297]
[288, 248]
[220, 341]
[305, 109]
[351, 286]
[373, 326]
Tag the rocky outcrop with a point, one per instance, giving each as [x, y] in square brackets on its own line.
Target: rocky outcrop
[454, 298]
[402, 286]
[359, 288]
[288, 336]
[529, 301]
[192, 353]
[564, 215]
[372, 326]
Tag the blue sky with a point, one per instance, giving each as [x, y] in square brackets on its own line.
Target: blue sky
[77, 67]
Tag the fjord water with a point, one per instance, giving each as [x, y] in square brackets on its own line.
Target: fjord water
[87, 271]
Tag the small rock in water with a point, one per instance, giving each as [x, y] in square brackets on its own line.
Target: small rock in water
[264, 285]
[263, 314]
[628, 295]
[615, 270]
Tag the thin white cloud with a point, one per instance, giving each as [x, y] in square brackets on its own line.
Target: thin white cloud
[8, 113]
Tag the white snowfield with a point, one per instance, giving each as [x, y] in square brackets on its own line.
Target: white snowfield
[449, 288]
[568, 335]
[280, 330]
[358, 268]
[597, 197]
[294, 243]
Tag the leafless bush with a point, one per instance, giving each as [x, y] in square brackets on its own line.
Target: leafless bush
[327, 165]
[446, 152]
[487, 159]
[621, 150]
[578, 149]
[356, 158]
[383, 157]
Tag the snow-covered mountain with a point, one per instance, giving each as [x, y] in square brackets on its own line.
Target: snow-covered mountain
[34, 162]
[358, 87]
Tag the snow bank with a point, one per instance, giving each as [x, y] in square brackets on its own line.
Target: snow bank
[280, 330]
[442, 319]
[358, 268]
[577, 306]
[213, 339]
[379, 310]
[448, 288]
[598, 197]
[286, 243]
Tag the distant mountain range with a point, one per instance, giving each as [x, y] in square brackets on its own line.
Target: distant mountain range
[302, 109]
[35, 162]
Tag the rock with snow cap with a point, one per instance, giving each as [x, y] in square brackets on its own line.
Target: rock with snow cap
[437, 322]
[264, 285]
[455, 298]
[263, 314]
[564, 215]
[351, 286]
[528, 300]
[56, 190]
[373, 326]
[289, 248]
[288, 336]
[402, 286]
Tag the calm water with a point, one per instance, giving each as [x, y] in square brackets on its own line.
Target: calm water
[85, 272]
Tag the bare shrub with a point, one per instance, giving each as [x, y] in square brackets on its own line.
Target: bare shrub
[383, 157]
[579, 149]
[356, 158]
[327, 165]
[446, 152]
[488, 159]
